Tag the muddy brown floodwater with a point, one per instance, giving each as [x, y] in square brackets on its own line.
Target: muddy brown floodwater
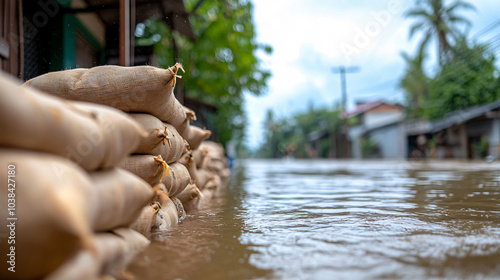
[305, 219]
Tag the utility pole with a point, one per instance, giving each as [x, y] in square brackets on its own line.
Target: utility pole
[342, 70]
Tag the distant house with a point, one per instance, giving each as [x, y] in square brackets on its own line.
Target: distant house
[469, 133]
[464, 134]
[378, 121]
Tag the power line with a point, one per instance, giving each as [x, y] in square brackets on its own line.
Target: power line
[486, 30]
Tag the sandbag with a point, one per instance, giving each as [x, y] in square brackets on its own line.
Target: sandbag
[163, 139]
[218, 183]
[56, 191]
[215, 150]
[224, 175]
[203, 177]
[154, 170]
[199, 156]
[208, 193]
[190, 114]
[193, 134]
[50, 201]
[190, 198]
[144, 89]
[146, 219]
[187, 160]
[119, 198]
[94, 136]
[116, 250]
[171, 210]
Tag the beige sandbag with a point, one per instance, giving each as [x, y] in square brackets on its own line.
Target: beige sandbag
[190, 197]
[199, 156]
[208, 193]
[187, 160]
[51, 224]
[146, 219]
[163, 139]
[193, 134]
[190, 114]
[178, 180]
[215, 150]
[207, 162]
[150, 168]
[203, 177]
[81, 266]
[115, 251]
[144, 89]
[93, 136]
[171, 210]
[218, 183]
[224, 175]
[119, 198]
[154, 170]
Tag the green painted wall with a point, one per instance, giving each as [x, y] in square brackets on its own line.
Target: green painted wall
[63, 40]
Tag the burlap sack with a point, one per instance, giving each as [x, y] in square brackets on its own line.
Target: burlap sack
[56, 193]
[203, 177]
[187, 160]
[163, 139]
[51, 195]
[218, 183]
[119, 198]
[93, 136]
[146, 219]
[199, 156]
[209, 192]
[171, 211]
[178, 180]
[154, 170]
[190, 114]
[193, 134]
[224, 175]
[144, 89]
[190, 198]
[116, 250]
[215, 150]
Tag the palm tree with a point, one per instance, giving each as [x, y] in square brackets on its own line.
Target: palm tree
[436, 19]
[415, 83]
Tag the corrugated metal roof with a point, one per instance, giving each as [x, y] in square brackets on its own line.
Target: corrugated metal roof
[463, 115]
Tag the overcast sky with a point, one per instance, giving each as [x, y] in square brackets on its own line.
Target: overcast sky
[309, 37]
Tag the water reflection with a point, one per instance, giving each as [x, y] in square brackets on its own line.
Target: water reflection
[340, 220]
[205, 245]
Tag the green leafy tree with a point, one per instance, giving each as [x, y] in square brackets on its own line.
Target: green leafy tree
[468, 79]
[435, 19]
[290, 135]
[221, 64]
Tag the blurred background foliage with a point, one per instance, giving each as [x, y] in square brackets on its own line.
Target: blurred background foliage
[288, 136]
[464, 74]
[221, 65]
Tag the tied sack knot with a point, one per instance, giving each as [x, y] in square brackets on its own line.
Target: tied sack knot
[160, 160]
[166, 138]
[177, 66]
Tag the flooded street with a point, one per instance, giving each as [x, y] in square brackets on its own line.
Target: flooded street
[292, 219]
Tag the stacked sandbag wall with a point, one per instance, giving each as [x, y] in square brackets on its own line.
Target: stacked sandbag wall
[104, 171]
[146, 94]
[209, 170]
[65, 187]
